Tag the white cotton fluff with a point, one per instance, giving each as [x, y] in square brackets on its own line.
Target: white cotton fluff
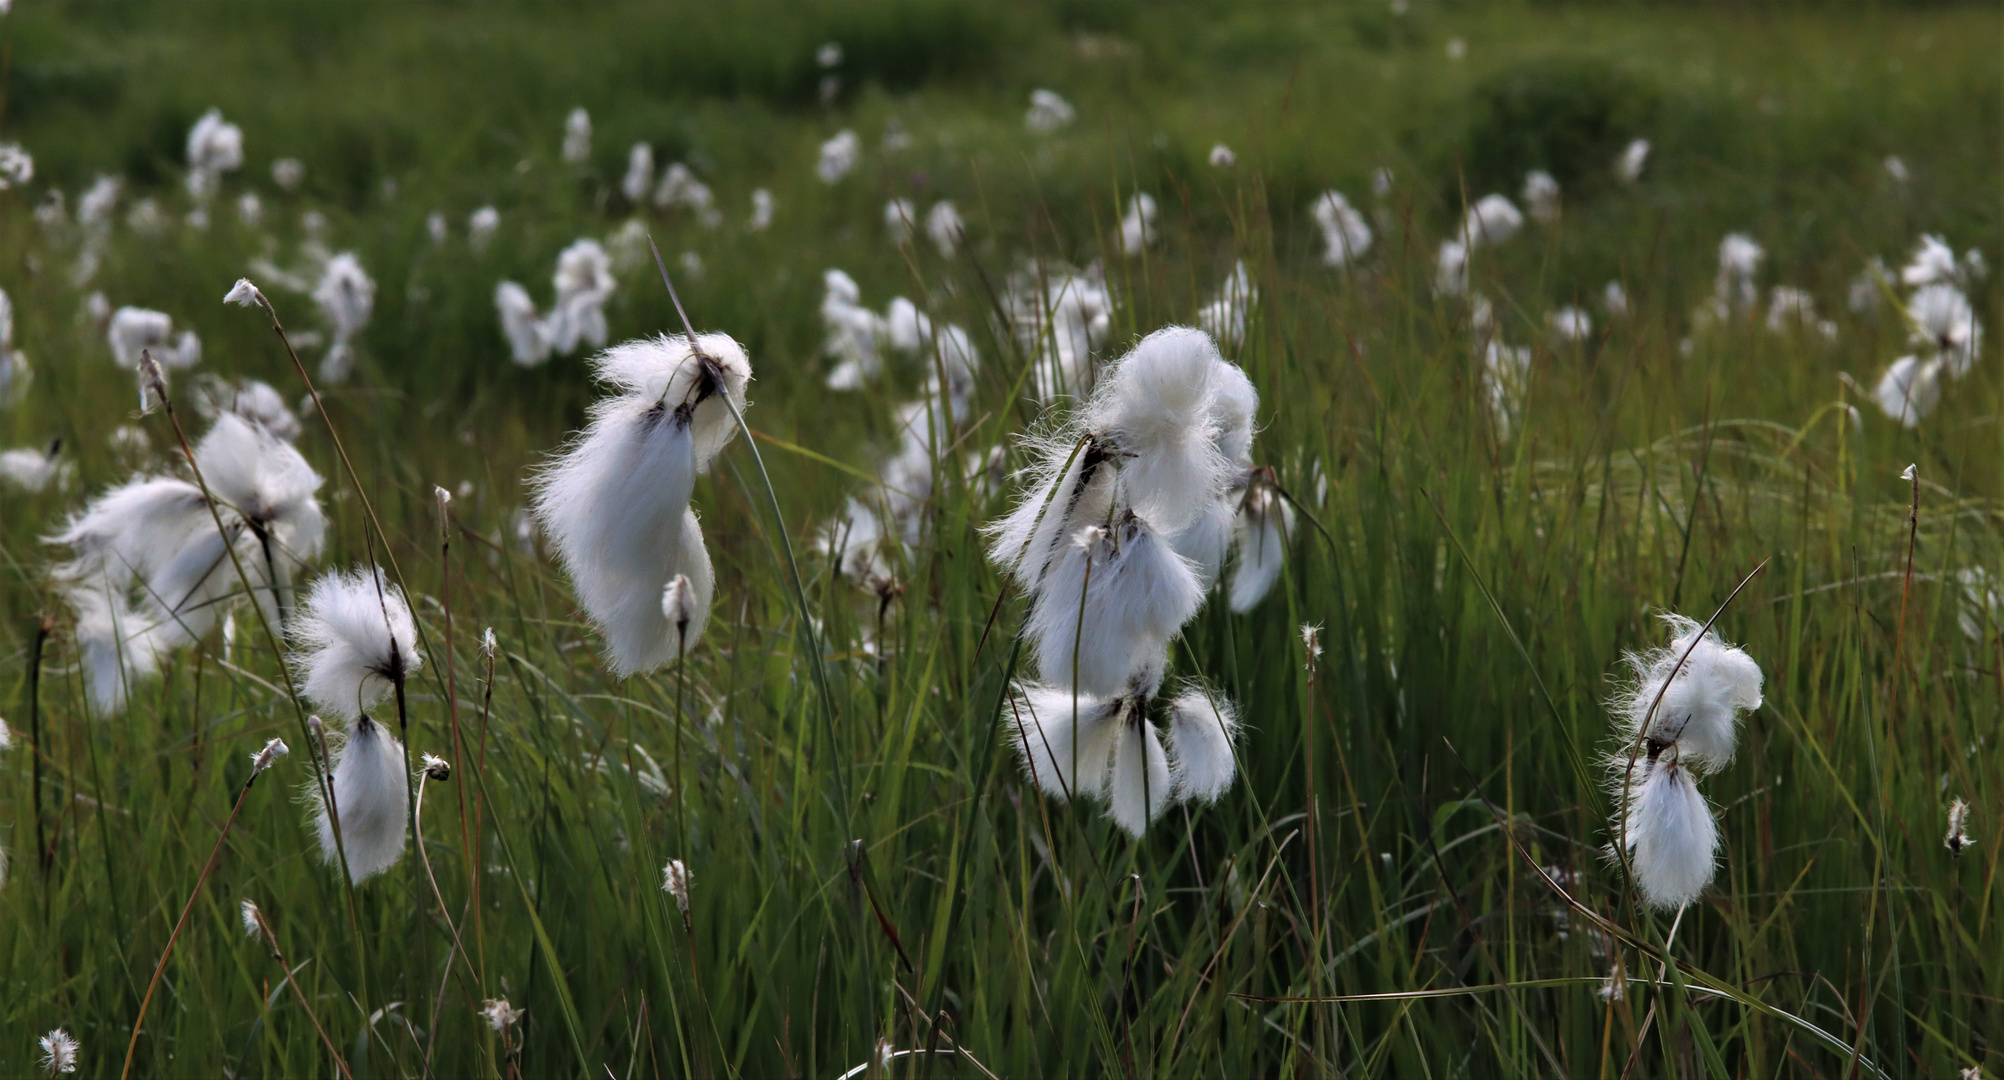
[1739, 260]
[371, 797]
[1154, 407]
[1570, 324]
[257, 402]
[1701, 707]
[1095, 631]
[583, 283]
[129, 532]
[1059, 317]
[639, 173]
[1224, 318]
[528, 340]
[907, 328]
[1941, 317]
[1909, 390]
[1048, 112]
[853, 333]
[1506, 373]
[838, 156]
[762, 208]
[347, 297]
[1234, 407]
[899, 216]
[680, 187]
[1202, 729]
[944, 228]
[118, 647]
[1264, 523]
[1671, 838]
[1065, 740]
[1137, 225]
[261, 485]
[353, 638]
[1138, 784]
[615, 501]
[1492, 220]
[1633, 157]
[34, 470]
[1615, 299]
[215, 146]
[1933, 263]
[1345, 235]
[855, 542]
[1206, 542]
[1541, 196]
[1450, 276]
[136, 330]
[577, 137]
[1069, 485]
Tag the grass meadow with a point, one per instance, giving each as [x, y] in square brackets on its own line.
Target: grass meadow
[1407, 878]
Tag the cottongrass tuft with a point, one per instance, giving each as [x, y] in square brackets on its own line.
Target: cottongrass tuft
[356, 641]
[252, 918]
[59, 1052]
[1679, 719]
[267, 757]
[1958, 828]
[371, 798]
[615, 501]
[675, 878]
[500, 1015]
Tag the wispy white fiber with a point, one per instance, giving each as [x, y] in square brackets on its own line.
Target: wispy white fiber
[761, 215]
[1492, 220]
[1346, 237]
[1112, 601]
[1633, 158]
[1702, 700]
[1671, 838]
[900, 215]
[1202, 729]
[1224, 318]
[353, 640]
[854, 333]
[1909, 390]
[838, 156]
[1541, 196]
[1264, 524]
[615, 501]
[944, 228]
[134, 330]
[371, 799]
[1941, 317]
[215, 146]
[1048, 112]
[680, 187]
[346, 295]
[528, 341]
[583, 283]
[639, 173]
[1137, 224]
[577, 137]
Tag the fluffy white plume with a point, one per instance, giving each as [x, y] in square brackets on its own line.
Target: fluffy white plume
[1224, 318]
[1671, 838]
[1066, 740]
[1202, 729]
[838, 156]
[639, 173]
[615, 501]
[1221, 156]
[1048, 112]
[528, 341]
[583, 283]
[215, 146]
[1940, 317]
[1506, 373]
[1614, 298]
[347, 297]
[1739, 260]
[1112, 600]
[944, 228]
[854, 333]
[1492, 220]
[1570, 324]
[1060, 316]
[1541, 196]
[1265, 522]
[1137, 225]
[1450, 275]
[371, 798]
[1138, 786]
[899, 216]
[249, 399]
[679, 187]
[1703, 699]
[1206, 542]
[134, 330]
[1633, 157]
[1909, 390]
[1345, 235]
[761, 214]
[577, 137]
[355, 638]
[34, 470]
[1154, 407]
[481, 225]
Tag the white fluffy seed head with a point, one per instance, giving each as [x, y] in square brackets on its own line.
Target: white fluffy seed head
[371, 798]
[59, 1052]
[1138, 784]
[1909, 390]
[675, 882]
[528, 338]
[247, 910]
[662, 369]
[1671, 837]
[1701, 700]
[1110, 605]
[354, 637]
[1260, 533]
[1202, 729]
[1155, 408]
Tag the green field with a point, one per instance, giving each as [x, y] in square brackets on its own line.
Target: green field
[833, 762]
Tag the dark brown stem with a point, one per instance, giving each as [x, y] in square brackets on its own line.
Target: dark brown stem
[43, 853]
